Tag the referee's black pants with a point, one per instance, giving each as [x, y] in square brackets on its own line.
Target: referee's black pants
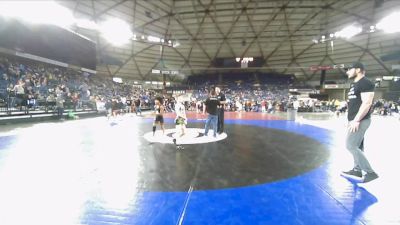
[220, 120]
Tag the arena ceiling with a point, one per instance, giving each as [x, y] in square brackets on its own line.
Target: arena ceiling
[279, 31]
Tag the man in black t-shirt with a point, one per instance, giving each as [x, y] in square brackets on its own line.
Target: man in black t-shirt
[360, 97]
[129, 104]
[138, 106]
[221, 110]
[211, 105]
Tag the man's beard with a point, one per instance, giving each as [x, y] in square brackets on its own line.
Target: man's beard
[353, 75]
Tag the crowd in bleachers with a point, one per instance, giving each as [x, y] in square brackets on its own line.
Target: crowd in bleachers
[271, 98]
[384, 108]
[246, 96]
[28, 85]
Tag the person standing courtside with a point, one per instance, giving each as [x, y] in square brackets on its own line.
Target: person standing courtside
[211, 105]
[138, 106]
[360, 97]
[220, 109]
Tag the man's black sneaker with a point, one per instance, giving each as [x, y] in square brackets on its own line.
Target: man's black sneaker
[353, 174]
[369, 177]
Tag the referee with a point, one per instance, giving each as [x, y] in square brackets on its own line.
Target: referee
[221, 107]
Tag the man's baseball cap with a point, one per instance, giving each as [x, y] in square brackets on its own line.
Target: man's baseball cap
[356, 65]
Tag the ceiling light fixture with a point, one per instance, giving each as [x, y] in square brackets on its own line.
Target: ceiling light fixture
[349, 31]
[116, 31]
[390, 24]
